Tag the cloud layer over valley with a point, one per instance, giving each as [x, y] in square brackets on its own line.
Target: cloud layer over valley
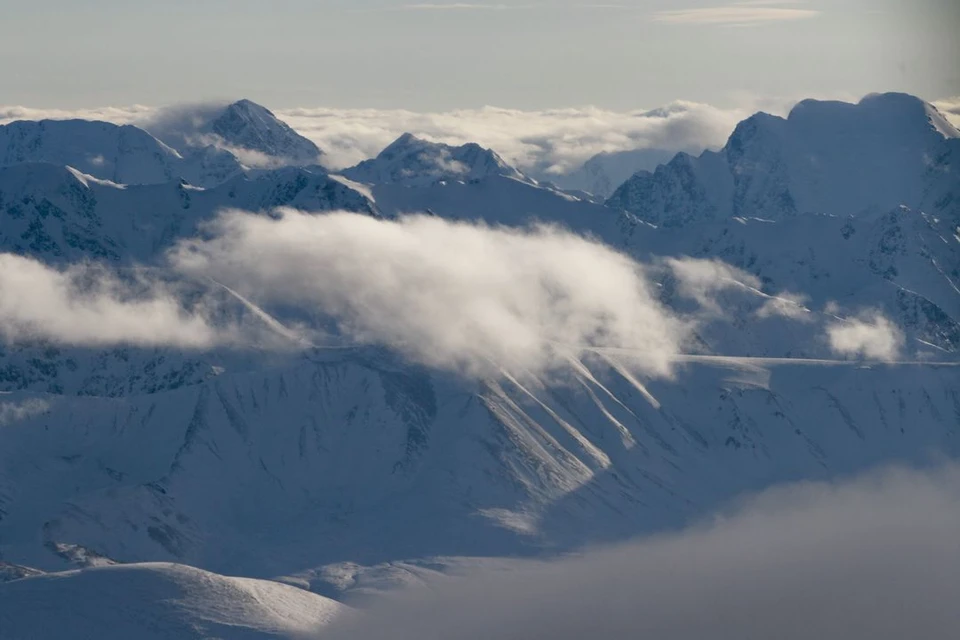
[872, 558]
[538, 141]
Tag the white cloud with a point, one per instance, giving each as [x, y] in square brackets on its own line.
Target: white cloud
[539, 141]
[86, 305]
[117, 115]
[786, 305]
[875, 558]
[459, 6]
[11, 412]
[458, 296]
[870, 336]
[701, 280]
[950, 108]
[739, 14]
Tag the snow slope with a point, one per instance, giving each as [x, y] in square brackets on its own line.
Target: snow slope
[121, 154]
[56, 213]
[314, 460]
[157, 601]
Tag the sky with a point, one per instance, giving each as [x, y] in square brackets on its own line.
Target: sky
[442, 55]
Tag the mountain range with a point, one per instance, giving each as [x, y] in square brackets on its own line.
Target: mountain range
[129, 473]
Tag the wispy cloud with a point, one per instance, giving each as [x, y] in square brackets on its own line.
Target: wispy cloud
[870, 335]
[738, 14]
[950, 108]
[482, 6]
[87, 305]
[460, 6]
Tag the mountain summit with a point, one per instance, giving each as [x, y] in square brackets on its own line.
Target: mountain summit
[826, 157]
[249, 132]
[246, 126]
[413, 161]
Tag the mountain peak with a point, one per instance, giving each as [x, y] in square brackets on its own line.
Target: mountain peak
[413, 161]
[247, 126]
[826, 157]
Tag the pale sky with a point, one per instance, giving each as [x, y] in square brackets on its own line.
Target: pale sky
[440, 55]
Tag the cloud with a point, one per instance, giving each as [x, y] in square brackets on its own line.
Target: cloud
[786, 305]
[950, 108]
[738, 14]
[701, 280]
[86, 305]
[549, 140]
[870, 336]
[873, 558]
[11, 412]
[117, 115]
[457, 296]
[459, 6]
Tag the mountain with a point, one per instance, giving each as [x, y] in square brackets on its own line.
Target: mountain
[348, 469]
[157, 601]
[604, 172]
[316, 459]
[57, 213]
[248, 126]
[244, 129]
[414, 162]
[120, 154]
[825, 157]
[60, 216]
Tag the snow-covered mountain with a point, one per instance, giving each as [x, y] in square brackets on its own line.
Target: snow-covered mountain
[158, 601]
[604, 172]
[826, 157]
[313, 461]
[57, 213]
[414, 162]
[244, 129]
[122, 154]
[320, 466]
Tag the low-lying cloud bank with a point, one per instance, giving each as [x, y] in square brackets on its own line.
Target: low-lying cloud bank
[875, 558]
[540, 142]
[546, 141]
[536, 141]
[458, 296]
